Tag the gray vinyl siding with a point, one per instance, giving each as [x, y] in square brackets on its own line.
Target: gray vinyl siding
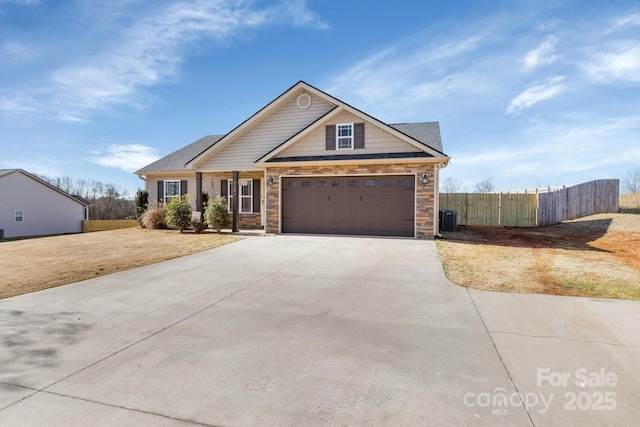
[46, 211]
[241, 153]
[152, 188]
[376, 140]
[211, 184]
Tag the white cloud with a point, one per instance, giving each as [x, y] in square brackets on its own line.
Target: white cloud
[16, 53]
[147, 53]
[544, 54]
[535, 93]
[129, 158]
[619, 62]
[303, 17]
[420, 69]
[20, 1]
[625, 21]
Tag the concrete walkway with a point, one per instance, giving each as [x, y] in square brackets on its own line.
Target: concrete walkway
[301, 330]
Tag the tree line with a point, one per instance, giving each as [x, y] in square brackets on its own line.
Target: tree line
[106, 201]
[630, 184]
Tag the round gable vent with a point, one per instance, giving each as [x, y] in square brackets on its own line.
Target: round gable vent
[304, 101]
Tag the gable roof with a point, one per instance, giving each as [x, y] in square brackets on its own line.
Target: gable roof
[4, 172]
[424, 136]
[77, 199]
[255, 118]
[177, 160]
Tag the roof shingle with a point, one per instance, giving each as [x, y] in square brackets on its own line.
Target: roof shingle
[177, 160]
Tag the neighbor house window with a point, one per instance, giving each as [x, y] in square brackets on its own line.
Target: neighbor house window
[344, 136]
[19, 216]
[245, 188]
[171, 190]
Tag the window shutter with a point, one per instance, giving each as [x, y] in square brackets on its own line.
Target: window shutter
[358, 135]
[256, 195]
[224, 189]
[160, 191]
[183, 187]
[331, 137]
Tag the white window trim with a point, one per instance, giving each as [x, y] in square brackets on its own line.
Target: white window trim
[21, 216]
[167, 199]
[338, 137]
[241, 182]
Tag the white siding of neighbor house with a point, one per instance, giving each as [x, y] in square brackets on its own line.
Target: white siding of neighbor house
[46, 211]
[376, 140]
[241, 153]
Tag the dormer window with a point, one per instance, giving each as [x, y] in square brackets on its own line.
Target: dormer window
[344, 136]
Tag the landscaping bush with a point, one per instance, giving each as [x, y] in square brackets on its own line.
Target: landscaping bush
[178, 213]
[154, 219]
[141, 202]
[199, 227]
[217, 214]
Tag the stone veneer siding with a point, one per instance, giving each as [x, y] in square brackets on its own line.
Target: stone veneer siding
[424, 192]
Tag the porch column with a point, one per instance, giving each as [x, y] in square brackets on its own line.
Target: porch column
[199, 192]
[235, 190]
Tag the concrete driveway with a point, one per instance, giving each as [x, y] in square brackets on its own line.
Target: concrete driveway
[301, 330]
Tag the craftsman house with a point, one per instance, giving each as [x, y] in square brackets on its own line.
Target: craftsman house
[310, 163]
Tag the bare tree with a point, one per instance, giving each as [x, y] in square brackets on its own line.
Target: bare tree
[107, 201]
[631, 181]
[451, 185]
[485, 186]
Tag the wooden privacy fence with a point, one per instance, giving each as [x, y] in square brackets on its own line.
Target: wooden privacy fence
[600, 196]
[110, 224]
[498, 209]
[533, 209]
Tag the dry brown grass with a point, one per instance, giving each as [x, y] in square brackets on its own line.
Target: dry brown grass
[35, 264]
[630, 203]
[595, 256]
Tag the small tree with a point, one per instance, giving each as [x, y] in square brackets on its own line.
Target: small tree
[217, 214]
[485, 186]
[451, 185]
[178, 212]
[631, 181]
[141, 202]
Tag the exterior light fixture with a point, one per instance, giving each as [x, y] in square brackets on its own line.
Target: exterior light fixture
[425, 178]
[270, 180]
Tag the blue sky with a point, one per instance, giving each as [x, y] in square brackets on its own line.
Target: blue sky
[530, 93]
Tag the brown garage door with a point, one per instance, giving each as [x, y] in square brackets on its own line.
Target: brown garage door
[365, 205]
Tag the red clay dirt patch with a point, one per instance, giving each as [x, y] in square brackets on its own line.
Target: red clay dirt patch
[595, 256]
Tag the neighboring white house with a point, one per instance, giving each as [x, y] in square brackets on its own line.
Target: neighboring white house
[30, 206]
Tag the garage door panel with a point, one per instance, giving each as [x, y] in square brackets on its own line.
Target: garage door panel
[367, 205]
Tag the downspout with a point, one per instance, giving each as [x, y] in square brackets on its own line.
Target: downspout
[436, 197]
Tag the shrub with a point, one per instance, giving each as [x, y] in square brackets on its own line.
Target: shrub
[178, 213]
[154, 219]
[217, 214]
[199, 227]
[141, 202]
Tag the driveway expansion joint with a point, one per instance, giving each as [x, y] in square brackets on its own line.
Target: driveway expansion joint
[500, 357]
[566, 339]
[128, 409]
